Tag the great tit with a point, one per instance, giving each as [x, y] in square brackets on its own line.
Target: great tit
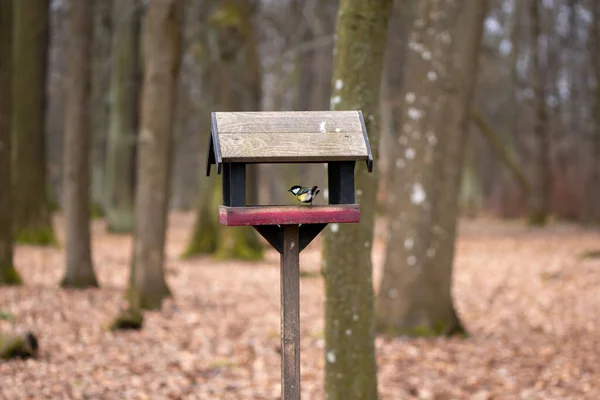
[304, 194]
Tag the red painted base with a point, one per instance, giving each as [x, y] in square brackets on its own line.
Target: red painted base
[288, 215]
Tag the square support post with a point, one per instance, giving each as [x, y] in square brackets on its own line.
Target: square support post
[234, 184]
[340, 177]
[226, 185]
[290, 313]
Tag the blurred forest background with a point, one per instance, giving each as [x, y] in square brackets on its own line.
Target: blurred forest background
[278, 56]
[477, 111]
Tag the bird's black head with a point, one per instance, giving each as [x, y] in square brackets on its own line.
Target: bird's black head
[294, 189]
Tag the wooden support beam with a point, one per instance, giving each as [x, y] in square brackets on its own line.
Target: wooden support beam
[290, 314]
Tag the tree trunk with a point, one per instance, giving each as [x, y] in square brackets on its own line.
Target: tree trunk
[592, 212]
[415, 292]
[391, 91]
[350, 367]
[161, 46]
[508, 187]
[123, 116]
[76, 187]
[99, 99]
[233, 47]
[8, 274]
[31, 214]
[539, 197]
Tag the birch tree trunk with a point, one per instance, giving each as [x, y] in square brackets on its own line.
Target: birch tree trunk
[31, 213]
[8, 274]
[161, 45]
[76, 187]
[539, 197]
[415, 292]
[123, 116]
[350, 365]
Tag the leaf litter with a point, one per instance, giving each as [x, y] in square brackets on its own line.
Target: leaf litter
[528, 299]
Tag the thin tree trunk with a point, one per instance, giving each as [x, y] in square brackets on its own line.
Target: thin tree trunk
[506, 155]
[508, 188]
[350, 366]
[123, 116]
[79, 271]
[161, 44]
[99, 99]
[539, 197]
[31, 214]
[8, 274]
[415, 293]
[592, 212]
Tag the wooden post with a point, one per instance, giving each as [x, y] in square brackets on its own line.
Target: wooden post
[290, 313]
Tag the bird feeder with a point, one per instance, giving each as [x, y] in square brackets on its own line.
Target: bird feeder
[338, 138]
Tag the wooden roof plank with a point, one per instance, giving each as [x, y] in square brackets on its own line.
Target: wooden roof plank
[288, 122]
[274, 147]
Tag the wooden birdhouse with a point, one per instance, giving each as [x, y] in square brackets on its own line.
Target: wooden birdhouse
[338, 138]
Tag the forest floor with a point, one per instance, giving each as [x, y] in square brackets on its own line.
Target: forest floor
[528, 298]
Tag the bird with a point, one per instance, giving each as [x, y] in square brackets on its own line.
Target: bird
[304, 195]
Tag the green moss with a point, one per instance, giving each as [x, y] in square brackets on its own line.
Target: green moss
[591, 254]
[119, 221]
[145, 301]
[96, 211]
[37, 237]
[438, 329]
[14, 345]
[80, 283]
[309, 274]
[223, 363]
[128, 319]
[537, 218]
[226, 16]
[239, 243]
[9, 276]
[6, 316]
[51, 200]
[200, 243]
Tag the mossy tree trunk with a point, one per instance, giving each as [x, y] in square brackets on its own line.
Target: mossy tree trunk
[79, 271]
[539, 197]
[237, 87]
[415, 293]
[8, 274]
[203, 239]
[31, 214]
[161, 46]
[350, 365]
[206, 224]
[123, 116]
[101, 67]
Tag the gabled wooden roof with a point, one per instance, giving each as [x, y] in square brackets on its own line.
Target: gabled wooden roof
[288, 137]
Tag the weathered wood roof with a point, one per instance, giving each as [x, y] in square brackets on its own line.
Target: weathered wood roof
[288, 137]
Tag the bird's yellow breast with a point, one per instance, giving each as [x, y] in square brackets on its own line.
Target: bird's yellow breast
[303, 197]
